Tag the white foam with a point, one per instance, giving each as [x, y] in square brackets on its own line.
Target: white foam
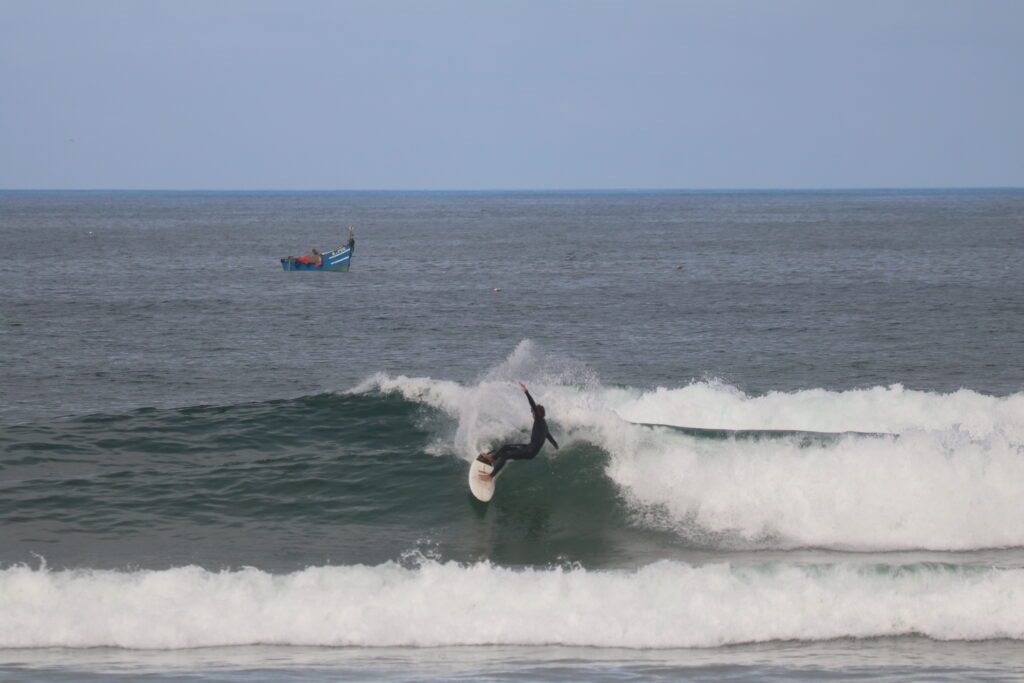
[663, 605]
[951, 479]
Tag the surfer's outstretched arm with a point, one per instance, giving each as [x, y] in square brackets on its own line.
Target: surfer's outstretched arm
[533, 406]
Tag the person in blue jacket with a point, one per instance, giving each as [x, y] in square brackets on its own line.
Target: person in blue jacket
[521, 451]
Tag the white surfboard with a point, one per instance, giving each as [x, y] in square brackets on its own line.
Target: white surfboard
[483, 490]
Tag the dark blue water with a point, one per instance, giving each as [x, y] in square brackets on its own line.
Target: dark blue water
[245, 472]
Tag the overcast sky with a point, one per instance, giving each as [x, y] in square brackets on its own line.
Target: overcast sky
[511, 94]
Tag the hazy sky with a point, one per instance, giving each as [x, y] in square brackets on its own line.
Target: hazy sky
[511, 94]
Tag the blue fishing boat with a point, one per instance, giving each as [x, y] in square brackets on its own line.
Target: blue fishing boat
[334, 261]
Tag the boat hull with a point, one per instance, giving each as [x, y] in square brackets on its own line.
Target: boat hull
[336, 261]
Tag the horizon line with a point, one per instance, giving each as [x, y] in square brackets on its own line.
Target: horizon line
[864, 188]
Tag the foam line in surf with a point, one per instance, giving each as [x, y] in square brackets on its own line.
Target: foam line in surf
[663, 605]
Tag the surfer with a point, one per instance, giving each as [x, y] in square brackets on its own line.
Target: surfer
[521, 451]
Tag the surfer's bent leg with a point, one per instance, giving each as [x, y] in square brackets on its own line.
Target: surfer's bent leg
[511, 451]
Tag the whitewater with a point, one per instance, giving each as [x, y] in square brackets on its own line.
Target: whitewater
[663, 605]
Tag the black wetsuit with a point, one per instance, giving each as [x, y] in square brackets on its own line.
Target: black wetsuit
[524, 451]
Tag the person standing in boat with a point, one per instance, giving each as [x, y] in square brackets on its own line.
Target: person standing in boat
[351, 244]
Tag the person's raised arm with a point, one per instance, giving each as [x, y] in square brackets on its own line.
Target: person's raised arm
[533, 406]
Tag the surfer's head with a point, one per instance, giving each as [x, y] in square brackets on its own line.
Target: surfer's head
[539, 411]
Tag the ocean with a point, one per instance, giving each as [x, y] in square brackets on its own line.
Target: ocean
[791, 431]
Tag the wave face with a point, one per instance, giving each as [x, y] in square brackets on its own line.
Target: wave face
[368, 475]
[663, 605]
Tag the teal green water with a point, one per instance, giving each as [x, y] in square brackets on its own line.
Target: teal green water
[327, 478]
